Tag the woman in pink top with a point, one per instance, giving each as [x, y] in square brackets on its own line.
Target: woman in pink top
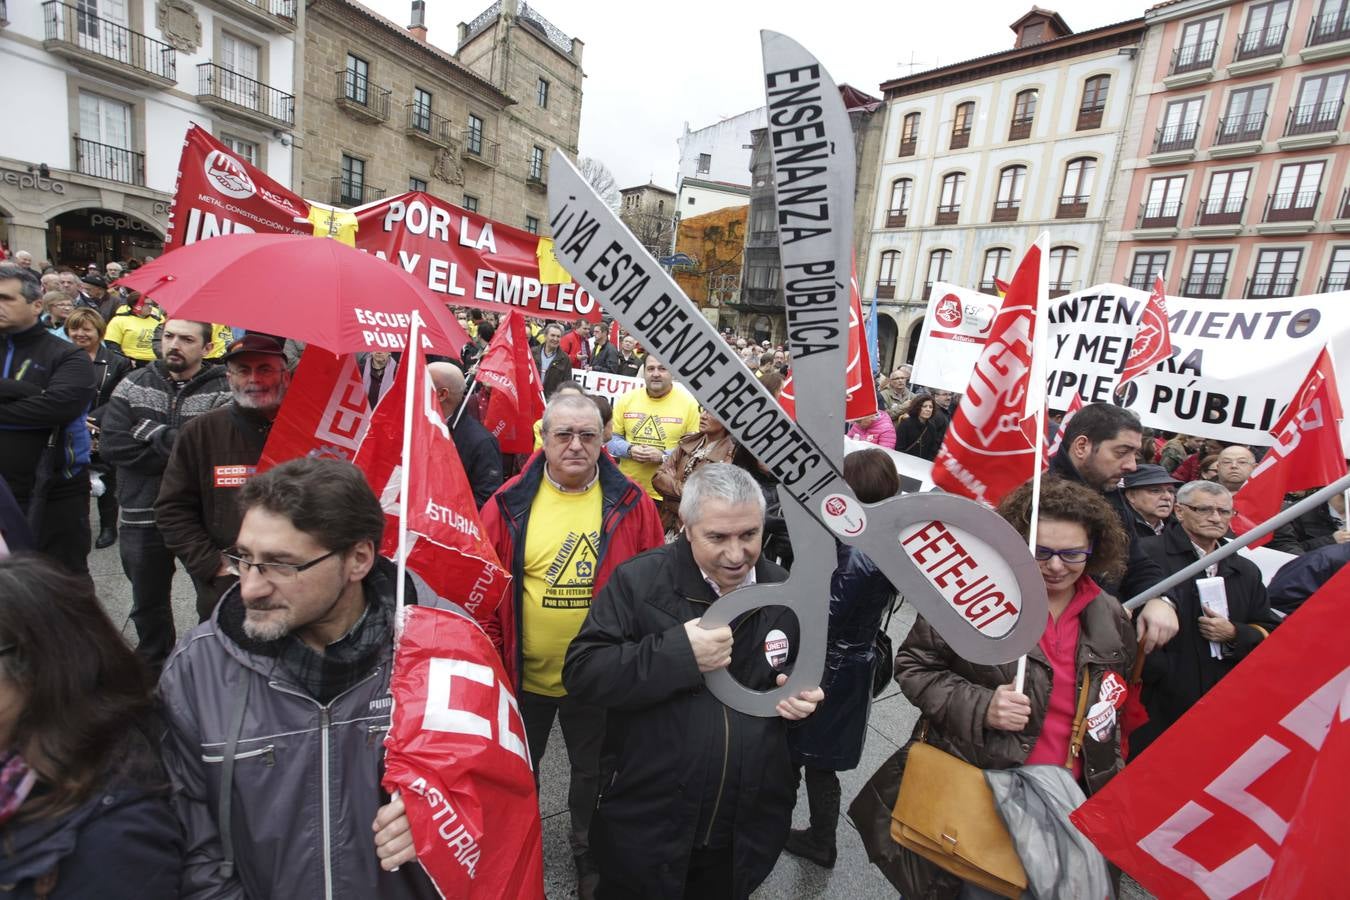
[875, 429]
[1067, 713]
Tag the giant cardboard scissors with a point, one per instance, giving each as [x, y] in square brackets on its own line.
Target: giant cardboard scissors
[965, 569]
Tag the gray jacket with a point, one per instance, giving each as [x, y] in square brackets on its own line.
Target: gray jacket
[298, 781]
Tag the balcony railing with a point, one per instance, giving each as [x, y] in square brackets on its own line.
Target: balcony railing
[90, 35]
[1193, 57]
[989, 287]
[113, 163]
[960, 138]
[427, 125]
[1060, 288]
[1263, 287]
[349, 192]
[1179, 136]
[1164, 214]
[1006, 210]
[1312, 118]
[1260, 42]
[358, 94]
[896, 218]
[885, 290]
[947, 215]
[1208, 287]
[1072, 206]
[1291, 206]
[1140, 282]
[1020, 129]
[536, 174]
[1090, 116]
[1335, 281]
[1329, 27]
[1241, 128]
[245, 93]
[908, 146]
[1221, 210]
[478, 148]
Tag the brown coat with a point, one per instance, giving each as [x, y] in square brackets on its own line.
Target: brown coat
[953, 696]
[692, 451]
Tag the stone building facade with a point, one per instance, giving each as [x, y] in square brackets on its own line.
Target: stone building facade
[387, 111]
[649, 212]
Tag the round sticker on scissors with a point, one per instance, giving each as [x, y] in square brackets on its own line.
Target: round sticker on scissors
[776, 648]
[843, 514]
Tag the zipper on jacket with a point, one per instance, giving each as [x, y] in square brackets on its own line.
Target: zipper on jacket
[722, 782]
[269, 752]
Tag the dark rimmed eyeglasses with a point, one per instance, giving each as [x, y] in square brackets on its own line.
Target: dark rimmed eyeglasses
[272, 571]
[1073, 556]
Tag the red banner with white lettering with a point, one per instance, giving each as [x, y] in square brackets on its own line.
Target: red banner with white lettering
[1307, 451]
[1152, 342]
[219, 193]
[325, 412]
[457, 755]
[517, 400]
[986, 453]
[447, 544]
[859, 388]
[1206, 810]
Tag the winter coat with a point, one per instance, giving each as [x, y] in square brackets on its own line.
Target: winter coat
[629, 366]
[674, 757]
[46, 388]
[305, 785]
[140, 425]
[1315, 528]
[559, 369]
[1300, 578]
[629, 524]
[110, 367]
[1182, 671]
[481, 456]
[953, 697]
[693, 450]
[881, 432]
[832, 737]
[919, 438]
[607, 359]
[197, 510]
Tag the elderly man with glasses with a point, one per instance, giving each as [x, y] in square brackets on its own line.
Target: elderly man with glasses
[1211, 641]
[562, 526]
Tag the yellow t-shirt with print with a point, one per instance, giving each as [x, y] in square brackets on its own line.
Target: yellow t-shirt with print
[221, 338]
[134, 334]
[660, 423]
[562, 545]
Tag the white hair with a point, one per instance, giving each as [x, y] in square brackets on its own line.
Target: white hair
[1191, 488]
[718, 481]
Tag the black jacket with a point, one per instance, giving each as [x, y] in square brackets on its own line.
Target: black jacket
[559, 369]
[607, 359]
[1182, 671]
[676, 763]
[481, 456]
[110, 367]
[1142, 571]
[921, 439]
[1309, 531]
[46, 388]
[1300, 578]
[629, 366]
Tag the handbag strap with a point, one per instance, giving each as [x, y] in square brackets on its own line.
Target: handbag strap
[1079, 724]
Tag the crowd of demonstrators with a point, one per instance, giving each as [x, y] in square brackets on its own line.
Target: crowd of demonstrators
[649, 422]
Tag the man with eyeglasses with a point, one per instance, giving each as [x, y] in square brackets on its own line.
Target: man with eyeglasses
[215, 454]
[1188, 666]
[562, 526]
[277, 706]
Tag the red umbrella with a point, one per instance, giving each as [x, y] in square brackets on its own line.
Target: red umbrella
[315, 290]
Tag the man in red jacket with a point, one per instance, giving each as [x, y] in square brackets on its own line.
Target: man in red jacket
[562, 526]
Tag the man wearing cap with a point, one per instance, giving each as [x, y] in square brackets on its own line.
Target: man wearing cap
[1151, 496]
[214, 456]
[93, 288]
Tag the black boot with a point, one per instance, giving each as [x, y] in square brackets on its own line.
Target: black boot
[817, 842]
[107, 536]
[803, 842]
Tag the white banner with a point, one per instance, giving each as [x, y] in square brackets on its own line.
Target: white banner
[604, 384]
[1235, 363]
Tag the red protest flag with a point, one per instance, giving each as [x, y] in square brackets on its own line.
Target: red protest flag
[859, 390]
[448, 546]
[517, 400]
[1152, 341]
[1307, 451]
[1206, 809]
[614, 333]
[986, 453]
[457, 755]
[325, 412]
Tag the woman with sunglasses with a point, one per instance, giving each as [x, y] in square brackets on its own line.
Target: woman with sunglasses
[1076, 676]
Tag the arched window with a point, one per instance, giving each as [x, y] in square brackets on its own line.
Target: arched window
[1012, 182]
[1024, 113]
[886, 276]
[909, 134]
[939, 264]
[898, 212]
[949, 200]
[1079, 174]
[1094, 102]
[961, 125]
[1063, 270]
[996, 262]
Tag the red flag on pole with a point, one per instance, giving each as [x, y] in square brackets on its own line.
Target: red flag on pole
[986, 453]
[1152, 341]
[457, 755]
[1307, 451]
[1213, 802]
[325, 412]
[517, 400]
[449, 548]
[859, 389]
[614, 333]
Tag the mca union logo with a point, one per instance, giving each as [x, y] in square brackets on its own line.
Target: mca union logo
[228, 176]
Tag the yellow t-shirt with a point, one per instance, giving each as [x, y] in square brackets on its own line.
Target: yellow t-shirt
[562, 544]
[221, 338]
[134, 334]
[539, 434]
[659, 423]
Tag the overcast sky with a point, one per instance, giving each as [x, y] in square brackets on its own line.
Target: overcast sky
[650, 67]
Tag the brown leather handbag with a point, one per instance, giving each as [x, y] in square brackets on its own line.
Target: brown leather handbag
[945, 813]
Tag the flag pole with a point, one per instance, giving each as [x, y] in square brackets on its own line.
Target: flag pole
[412, 387]
[1036, 392]
[464, 402]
